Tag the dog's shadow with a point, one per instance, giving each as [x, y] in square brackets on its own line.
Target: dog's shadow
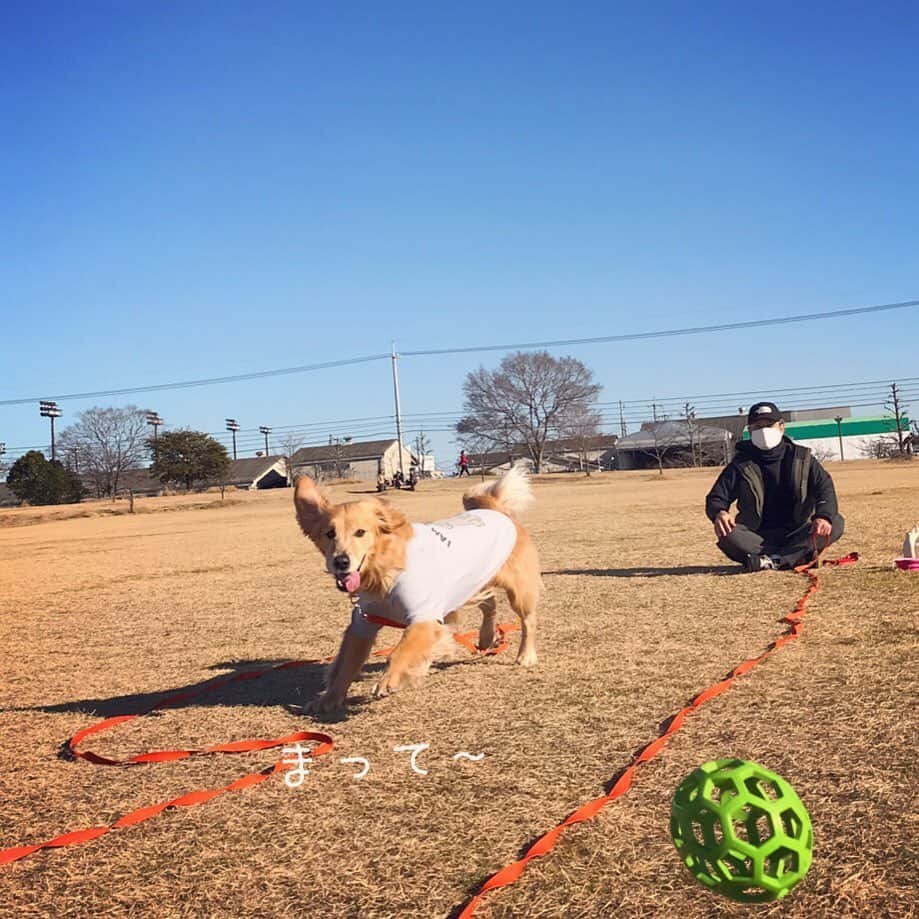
[292, 686]
[235, 686]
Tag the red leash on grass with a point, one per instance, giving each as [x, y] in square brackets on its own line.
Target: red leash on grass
[324, 745]
[512, 872]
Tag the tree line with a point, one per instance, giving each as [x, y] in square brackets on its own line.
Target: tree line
[529, 401]
[106, 443]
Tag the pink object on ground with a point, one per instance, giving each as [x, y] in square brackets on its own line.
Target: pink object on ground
[907, 564]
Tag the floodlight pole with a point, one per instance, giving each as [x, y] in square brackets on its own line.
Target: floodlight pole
[154, 420]
[49, 409]
[395, 386]
[838, 420]
[233, 427]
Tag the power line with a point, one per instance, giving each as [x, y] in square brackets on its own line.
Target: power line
[668, 333]
[854, 394]
[758, 392]
[605, 339]
[187, 384]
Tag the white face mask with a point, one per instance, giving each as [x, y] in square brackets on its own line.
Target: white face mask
[766, 438]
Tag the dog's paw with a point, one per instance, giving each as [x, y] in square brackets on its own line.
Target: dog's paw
[487, 640]
[325, 708]
[389, 684]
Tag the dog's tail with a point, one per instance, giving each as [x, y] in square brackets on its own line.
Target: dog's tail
[510, 494]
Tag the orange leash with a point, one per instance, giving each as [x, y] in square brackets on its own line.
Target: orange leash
[623, 780]
[191, 799]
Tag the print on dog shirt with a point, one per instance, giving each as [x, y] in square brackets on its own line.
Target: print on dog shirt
[446, 563]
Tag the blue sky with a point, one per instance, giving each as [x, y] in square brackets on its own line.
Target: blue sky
[199, 189]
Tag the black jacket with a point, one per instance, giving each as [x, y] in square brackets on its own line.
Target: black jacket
[809, 484]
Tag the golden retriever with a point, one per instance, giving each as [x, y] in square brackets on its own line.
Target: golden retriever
[419, 575]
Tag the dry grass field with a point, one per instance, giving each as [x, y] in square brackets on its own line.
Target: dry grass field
[103, 615]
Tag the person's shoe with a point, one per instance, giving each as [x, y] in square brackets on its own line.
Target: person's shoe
[762, 562]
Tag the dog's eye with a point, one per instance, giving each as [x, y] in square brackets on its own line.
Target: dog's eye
[360, 533]
[331, 534]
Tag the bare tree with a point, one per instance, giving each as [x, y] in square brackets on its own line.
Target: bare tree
[290, 444]
[878, 447]
[898, 409]
[823, 454]
[526, 400]
[689, 413]
[661, 434]
[579, 425]
[338, 444]
[105, 442]
[422, 448]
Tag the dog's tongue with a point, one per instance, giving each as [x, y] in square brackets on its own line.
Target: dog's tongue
[350, 583]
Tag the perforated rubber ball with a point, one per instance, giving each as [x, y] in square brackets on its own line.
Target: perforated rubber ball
[741, 830]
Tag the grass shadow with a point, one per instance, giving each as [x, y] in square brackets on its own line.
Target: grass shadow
[650, 572]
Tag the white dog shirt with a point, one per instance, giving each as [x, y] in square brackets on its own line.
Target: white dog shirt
[446, 564]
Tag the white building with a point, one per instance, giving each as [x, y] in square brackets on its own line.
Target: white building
[854, 436]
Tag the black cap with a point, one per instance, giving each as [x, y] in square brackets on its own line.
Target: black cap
[764, 411]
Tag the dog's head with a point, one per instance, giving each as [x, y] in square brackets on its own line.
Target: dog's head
[363, 542]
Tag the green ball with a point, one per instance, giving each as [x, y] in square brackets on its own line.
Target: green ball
[741, 830]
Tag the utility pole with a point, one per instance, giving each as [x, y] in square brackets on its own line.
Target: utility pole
[233, 426]
[48, 409]
[622, 429]
[154, 420]
[266, 431]
[395, 387]
[838, 420]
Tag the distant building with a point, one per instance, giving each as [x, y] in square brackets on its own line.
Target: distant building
[737, 423]
[257, 472]
[675, 443]
[356, 460]
[858, 435]
[138, 481]
[569, 455]
[427, 466]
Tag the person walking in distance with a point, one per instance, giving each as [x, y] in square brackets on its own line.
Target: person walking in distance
[463, 464]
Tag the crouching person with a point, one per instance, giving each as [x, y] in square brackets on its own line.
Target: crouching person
[785, 498]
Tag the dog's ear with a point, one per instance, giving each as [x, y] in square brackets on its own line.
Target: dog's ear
[388, 518]
[312, 507]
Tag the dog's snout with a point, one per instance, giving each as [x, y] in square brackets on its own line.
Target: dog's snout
[341, 562]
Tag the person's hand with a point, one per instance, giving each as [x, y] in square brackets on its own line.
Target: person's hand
[724, 523]
[821, 527]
